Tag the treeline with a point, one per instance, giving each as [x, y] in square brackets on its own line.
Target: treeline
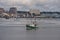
[50, 12]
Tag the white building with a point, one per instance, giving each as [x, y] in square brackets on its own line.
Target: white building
[36, 11]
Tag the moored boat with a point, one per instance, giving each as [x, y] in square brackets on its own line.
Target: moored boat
[29, 27]
[33, 25]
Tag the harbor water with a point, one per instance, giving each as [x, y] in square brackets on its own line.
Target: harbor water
[15, 29]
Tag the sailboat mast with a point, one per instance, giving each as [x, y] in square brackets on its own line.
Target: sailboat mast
[35, 19]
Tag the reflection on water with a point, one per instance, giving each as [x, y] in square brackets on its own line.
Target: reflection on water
[49, 29]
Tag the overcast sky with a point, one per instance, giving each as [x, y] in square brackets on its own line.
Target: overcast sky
[42, 5]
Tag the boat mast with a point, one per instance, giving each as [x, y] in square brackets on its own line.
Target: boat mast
[35, 19]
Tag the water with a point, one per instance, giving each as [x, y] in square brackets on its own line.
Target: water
[14, 29]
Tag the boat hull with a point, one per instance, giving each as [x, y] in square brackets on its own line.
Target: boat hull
[28, 27]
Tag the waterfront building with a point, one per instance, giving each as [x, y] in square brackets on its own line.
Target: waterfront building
[23, 13]
[34, 12]
[2, 10]
[13, 11]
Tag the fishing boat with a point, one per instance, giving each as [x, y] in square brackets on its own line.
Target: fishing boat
[33, 25]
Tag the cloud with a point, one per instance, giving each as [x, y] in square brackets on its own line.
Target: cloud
[43, 5]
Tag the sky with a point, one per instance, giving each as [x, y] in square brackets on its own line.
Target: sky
[26, 5]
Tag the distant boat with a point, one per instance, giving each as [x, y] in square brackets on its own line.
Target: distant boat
[33, 25]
